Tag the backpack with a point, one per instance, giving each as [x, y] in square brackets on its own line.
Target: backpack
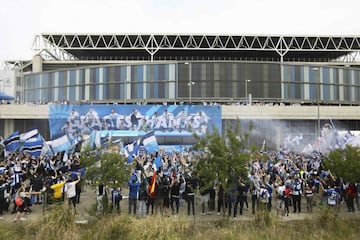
[117, 195]
[287, 193]
[264, 195]
[333, 197]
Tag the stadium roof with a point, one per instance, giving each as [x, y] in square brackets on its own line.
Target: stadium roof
[177, 47]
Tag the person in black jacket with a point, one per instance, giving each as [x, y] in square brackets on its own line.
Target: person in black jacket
[240, 198]
[143, 197]
[166, 181]
[37, 184]
[190, 194]
[175, 195]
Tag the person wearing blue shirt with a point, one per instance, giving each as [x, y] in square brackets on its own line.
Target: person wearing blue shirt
[134, 187]
[296, 192]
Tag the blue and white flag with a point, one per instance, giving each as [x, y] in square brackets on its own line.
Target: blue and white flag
[102, 141]
[132, 150]
[82, 172]
[97, 139]
[29, 134]
[33, 146]
[106, 140]
[158, 161]
[60, 144]
[46, 149]
[11, 143]
[149, 142]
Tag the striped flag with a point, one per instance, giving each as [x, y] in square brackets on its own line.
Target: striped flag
[12, 143]
[149, 142]
[29, 134]
[46, 149]
[100, 139]
[106, 140]
[132, 150]
[101, 142]
[60, 144]
[33, 146]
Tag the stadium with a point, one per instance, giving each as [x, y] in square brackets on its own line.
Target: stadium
[279, 86]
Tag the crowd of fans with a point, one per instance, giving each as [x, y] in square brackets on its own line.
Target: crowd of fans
[285, 182]
[26, 181]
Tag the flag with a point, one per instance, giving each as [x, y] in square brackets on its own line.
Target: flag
[158, 161]
[74, 173]
[29, 134]
[33, 146]
[101, 141]
[76, 144]
[153, 184]
[132, 150]
[106, 140]
[60, 144]
[149, 142]
[46, 149]
[2, 146]
[115, 142]
[263, 146]
[97, 139]
[11, 143]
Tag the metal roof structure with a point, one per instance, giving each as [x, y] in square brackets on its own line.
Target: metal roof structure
[157, 47]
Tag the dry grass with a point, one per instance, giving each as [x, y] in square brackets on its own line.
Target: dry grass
[59, 224]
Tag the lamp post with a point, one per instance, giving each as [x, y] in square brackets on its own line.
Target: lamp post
[246, 90]
[190, 82]
[316, 70]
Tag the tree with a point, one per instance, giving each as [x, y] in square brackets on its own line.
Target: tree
[225, 160]
[344, 163]
[106, 167]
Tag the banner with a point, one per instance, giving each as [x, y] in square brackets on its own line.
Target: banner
[133, 120]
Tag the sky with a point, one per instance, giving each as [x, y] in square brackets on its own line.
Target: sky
[21, 20]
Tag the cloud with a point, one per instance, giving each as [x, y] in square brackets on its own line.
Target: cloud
[20, 20]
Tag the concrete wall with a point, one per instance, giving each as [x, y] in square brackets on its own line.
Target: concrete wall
[15, 111]
[291, 112]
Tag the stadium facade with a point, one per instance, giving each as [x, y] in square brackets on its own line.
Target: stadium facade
[302, 81]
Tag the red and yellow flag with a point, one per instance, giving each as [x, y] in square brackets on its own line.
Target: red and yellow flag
[153, 182]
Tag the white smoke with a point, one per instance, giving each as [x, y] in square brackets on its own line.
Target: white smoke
[299, 136]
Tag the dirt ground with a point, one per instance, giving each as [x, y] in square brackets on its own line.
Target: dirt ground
[88, 200]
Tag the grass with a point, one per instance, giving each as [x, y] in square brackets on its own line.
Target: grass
[59, 224]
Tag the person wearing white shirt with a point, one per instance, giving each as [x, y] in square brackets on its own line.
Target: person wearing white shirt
[70, 188]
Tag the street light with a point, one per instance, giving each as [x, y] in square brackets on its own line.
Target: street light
[316, 70]
[190, 83]
[246, 90]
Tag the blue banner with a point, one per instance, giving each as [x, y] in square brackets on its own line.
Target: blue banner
[133, 120]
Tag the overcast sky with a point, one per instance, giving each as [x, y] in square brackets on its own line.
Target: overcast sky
[21, 20]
